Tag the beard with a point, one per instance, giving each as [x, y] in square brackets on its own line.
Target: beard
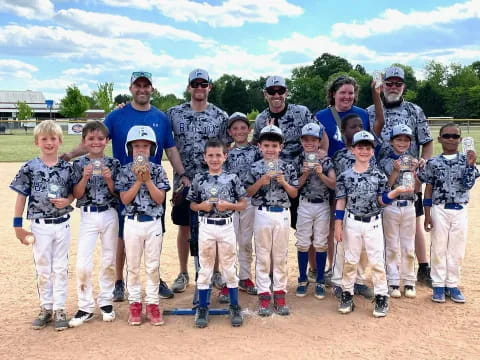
[392, 100]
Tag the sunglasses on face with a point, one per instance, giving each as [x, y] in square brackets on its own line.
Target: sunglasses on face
[393, 83]
[450, 136]
[195, 85]
[273, 91]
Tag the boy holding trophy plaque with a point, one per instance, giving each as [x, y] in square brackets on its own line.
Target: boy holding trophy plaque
[399, 218]
[46, 181]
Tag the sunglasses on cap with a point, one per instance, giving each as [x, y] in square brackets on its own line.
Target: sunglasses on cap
[450, 136]
[394, 83]
[196, 85]
[273, 91]
[142, 74]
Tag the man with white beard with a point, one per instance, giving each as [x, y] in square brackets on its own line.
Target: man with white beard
[398, 111]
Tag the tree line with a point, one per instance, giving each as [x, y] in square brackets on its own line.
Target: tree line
[447, 90]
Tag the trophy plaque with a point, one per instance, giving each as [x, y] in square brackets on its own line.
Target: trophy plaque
[407, 179]
[405, 162]
[311, 160]
[272, 167]
[213, 195]
[468, 144]
[140, 163]
[377, 78]
[53, 191]
[97, 167]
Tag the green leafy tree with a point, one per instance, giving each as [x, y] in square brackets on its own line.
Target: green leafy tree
[255, 88]
[329, 64]
[122, 99]
[436, 74]
[307, 88]
[74, 104]
[103, 97]
[235, 97]
[431, 99]
[164, 102]
[92, 104]
[24, 111]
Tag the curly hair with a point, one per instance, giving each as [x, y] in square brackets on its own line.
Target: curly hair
[333, 86]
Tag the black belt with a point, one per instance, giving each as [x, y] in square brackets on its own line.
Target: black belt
[401, 203]
[314, 201]
[271, 208]
[223, 221]
[142, 217]
[453, 206]
[95, 208]
[53, 221]
[365, 219]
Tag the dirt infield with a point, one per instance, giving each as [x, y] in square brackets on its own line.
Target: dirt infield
[414, 327]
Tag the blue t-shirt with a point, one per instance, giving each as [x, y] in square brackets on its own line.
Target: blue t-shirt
[120, 121]
[325, 117]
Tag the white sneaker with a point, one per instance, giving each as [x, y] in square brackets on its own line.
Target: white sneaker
[80, 318]
[108, 315]
[410, 291]
[394, 291]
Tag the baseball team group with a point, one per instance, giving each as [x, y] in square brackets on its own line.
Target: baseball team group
[348, 180]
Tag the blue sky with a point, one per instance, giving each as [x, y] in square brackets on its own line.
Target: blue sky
[47, 45]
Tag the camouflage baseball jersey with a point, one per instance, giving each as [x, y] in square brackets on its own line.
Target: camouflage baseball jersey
[406, 113]
[40, 183]
[239, 160]
[386, 165]
[96, 191]
[143, 203]
[291, 123]
[314, 188]
[361, 190]
[450, 179]
[192, 129]
[272, 194]
[343, 159]
[222, 187]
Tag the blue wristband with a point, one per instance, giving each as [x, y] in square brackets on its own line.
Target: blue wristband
[427, 202]
[385, 199]
[17, 222]
[339, 214]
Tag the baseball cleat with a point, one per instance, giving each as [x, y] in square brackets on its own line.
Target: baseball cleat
[80, 318]
[108, 315]
[217, 280]
[265, 308]
[394, 291]
[135, 316]
[236, 317]
[43, 318]
[312, 275]
[302, 288]
[279, 304]
[119, 291]
[201, 317]
[163, 291]
[346, 304]
[410, 291]
[154, 315]
[381, 306]
[180, 283]
[320, 291]
[223, 296]
[438, 294]
[248, 286]
[60, 320]
[423, 276]
[455, 294]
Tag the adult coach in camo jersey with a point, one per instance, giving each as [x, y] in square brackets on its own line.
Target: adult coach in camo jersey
[290, 118]
[137, 112]
[193, 123]
[398, 111]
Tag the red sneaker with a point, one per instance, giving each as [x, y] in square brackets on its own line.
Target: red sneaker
[264, 308]
[154, 315]
[135, 317]
[279, 304]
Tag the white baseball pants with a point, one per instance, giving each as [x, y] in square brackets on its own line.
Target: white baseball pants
[399, 224]
[243, 224]
[143, 237]
[448, 241]
[339, 261]
[50, 253]
[312, 220]
[211, 236]
[93, 224]
[271, 230]
[358, 235]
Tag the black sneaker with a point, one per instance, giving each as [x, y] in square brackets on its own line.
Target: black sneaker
[236, 317]
[80, 318]
[346, 303]
[381, 306]
[423, 276]
[201, 317]
[119, 291]
[163, 291]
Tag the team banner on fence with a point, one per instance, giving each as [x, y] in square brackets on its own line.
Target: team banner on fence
[75, 128]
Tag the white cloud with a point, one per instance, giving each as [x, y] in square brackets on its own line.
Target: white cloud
[393, 20]
[230, 13]
[16, 69]
[30, 9]
[87, 69]
[117, 26]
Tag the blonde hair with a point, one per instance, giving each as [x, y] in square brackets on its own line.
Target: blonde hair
[48, 127]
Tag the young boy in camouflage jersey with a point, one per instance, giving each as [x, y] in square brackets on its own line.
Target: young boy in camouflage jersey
[216, 195]
[93, 179]
[239, 160]
[361, 191]
[46, 181]
[448, 178]
[271, 182]
[313, 222]
[399, 219]
[142, 186]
